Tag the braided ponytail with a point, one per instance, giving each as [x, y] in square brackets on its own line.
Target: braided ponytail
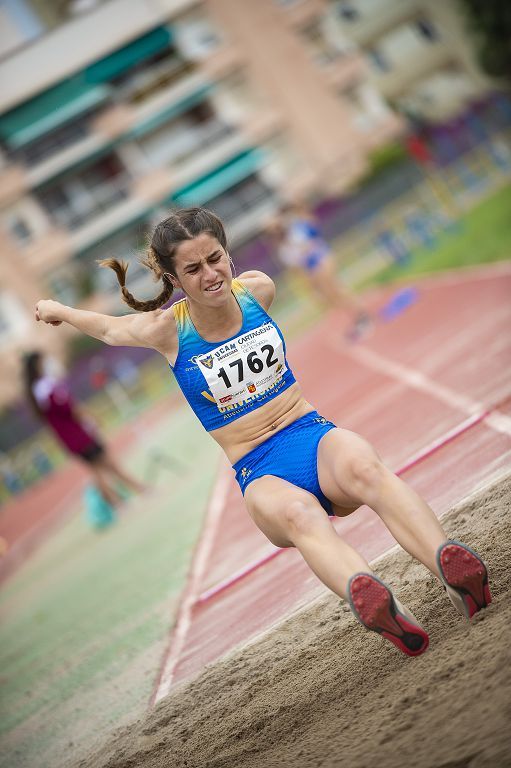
[121, 267]
[178, 227]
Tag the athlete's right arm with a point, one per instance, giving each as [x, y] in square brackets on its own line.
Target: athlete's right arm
[152, 329]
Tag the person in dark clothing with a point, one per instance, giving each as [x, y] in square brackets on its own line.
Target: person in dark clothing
[50, 399]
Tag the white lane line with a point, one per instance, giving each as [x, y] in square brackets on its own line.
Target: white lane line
[415, 379]
[239, 575]
[499, 422]
[419, 381]
[189, 597]
[447, 437]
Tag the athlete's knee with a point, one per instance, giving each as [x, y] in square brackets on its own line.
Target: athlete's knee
[303, 517]
[366, 472]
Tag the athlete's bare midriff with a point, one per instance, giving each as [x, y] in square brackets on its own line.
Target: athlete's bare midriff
[249, 431]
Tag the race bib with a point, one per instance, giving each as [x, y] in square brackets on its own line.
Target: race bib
[245, 366]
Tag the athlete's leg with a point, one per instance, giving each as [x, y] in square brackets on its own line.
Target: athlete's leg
[327, 284]
[350, 471]
[292, 517]
[108, 464]
[101, 480]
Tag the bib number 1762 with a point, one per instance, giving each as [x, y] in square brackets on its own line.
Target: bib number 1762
[254, 364]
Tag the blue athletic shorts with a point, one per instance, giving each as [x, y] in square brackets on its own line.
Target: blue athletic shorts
[314, 259]
[291, 454]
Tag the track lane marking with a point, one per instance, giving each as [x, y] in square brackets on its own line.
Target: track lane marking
[189, 597]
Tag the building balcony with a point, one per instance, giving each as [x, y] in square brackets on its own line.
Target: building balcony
[67, 158]
[113, 122]
[408, 70]
[72, 46]
[13, 184]
[261, 126]
[169, 102]
[222, 62]
[213, 161]
[101, 198]
[299, 15]
[346, 71]
[121, 121]
[153, 187]
[126, 211]
[198, 163]
[384, 17]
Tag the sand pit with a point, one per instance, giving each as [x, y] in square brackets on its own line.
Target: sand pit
[320, 691]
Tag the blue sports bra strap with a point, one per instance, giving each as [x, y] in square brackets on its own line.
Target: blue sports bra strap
[238, 285]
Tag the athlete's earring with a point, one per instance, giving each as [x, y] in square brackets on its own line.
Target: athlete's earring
[233, 268]
[170, 279]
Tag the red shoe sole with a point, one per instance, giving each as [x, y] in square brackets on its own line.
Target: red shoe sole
[465, 572]
[374, 606]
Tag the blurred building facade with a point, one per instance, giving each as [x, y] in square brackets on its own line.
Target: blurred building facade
[113, 112]
[420, 57]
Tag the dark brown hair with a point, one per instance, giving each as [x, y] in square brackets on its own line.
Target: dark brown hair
[181, 225]
[31, 373]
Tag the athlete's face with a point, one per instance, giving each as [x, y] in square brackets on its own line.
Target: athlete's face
[203, 269]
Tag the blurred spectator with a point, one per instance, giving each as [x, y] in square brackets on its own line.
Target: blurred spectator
[301, 246]
[50, 399]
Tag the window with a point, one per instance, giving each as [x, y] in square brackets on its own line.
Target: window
[196, 37]
[175, 141]
[427, 30]
[319, 45]
[127, 245]
[378, 60]
[20, 230]
[80, 198]
[52, 143]
[151, 76]
[240, 199]
[347, 11]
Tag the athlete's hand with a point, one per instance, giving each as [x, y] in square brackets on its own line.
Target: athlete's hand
[47, 311]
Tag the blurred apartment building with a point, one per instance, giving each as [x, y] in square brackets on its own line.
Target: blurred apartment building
[112, 112]
[419, 55]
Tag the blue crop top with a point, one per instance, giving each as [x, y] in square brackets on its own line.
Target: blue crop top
[225, 380]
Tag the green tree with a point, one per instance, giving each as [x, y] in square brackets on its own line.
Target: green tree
[490, 23]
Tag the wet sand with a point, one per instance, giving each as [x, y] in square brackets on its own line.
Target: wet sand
[321, 691]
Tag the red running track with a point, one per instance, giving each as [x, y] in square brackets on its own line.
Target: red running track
[28, 519]
[430, 389]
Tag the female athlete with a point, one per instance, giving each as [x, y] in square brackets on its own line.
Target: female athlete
[293, 466]
[52, 403]
[301, 247]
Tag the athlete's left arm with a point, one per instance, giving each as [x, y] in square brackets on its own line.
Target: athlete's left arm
[260, 285]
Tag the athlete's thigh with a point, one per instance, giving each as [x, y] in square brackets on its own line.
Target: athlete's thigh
[336, 452]
[268, 499]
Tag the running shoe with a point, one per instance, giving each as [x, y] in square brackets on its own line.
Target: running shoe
[361, 328]
[375, 606]
[464, 577]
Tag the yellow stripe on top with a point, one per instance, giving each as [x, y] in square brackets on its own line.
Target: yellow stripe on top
[215, 411]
